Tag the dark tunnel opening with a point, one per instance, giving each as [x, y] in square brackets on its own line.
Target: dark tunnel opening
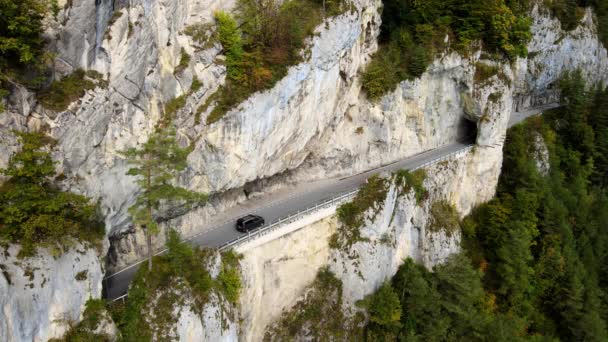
[467, 131]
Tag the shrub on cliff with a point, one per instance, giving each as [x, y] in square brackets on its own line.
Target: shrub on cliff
[59, 94]
[34, 212]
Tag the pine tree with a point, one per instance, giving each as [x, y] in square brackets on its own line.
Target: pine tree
[156, 164]
[34, 212]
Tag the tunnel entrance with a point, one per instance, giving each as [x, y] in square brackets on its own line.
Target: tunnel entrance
[467, 131]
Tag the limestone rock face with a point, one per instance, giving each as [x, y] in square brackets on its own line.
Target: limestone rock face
[553, 51]
[211, 325]
[41, 296]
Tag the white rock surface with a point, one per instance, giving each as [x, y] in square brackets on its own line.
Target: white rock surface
[211, 325]
[275, 273]
[40, 296]
[553, 52]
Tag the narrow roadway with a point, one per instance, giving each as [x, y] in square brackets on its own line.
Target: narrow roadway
[289, 201]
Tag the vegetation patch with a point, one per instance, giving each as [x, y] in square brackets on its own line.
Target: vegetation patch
[352, 214]
[196, 85]
[443, 216]
[407, 181]
[82, 275]
[229, 279]
[184, 61]
[60, 94]
[262, 42]
[94, 313]
[317, 316]
[571, 12]
[175, 105]
[179, 275]
[204, 35]
[34, 212]
[414, 32]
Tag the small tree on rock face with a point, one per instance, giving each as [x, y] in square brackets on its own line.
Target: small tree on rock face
[156, 163]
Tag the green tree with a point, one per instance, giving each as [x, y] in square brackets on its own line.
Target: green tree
[230, 37]
[21, 28]
[34, 211]
[156, 165]
[384, 310]
[22, 50]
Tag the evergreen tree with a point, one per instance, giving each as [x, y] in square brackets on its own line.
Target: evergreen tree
[33, 210]
[156, 165]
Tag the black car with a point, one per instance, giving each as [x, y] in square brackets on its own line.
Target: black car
[249, 222]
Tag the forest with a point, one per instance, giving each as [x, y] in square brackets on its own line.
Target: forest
[533, 264]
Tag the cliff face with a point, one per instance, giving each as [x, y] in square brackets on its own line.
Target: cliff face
[40, 297]
[315, 123]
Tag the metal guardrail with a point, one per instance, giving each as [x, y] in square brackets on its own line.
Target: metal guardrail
[278, 224]
[288, 219]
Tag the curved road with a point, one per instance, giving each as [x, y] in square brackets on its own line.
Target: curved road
[291, 200]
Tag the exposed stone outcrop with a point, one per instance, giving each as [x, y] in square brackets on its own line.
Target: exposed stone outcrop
[41, 296]
[554, 51]
[541, 154]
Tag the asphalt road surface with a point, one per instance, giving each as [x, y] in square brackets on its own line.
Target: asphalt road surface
[290, 200]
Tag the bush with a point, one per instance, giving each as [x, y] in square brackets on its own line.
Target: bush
[174, 105]
[196, 85]
[230, 282]
[317, 315]
[443, 216]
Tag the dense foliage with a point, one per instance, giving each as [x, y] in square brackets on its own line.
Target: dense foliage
[268, 39]
[21, 43]
[21, 28]
[34, 212]
[179, 275]
[412, 32]
[534, 260]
